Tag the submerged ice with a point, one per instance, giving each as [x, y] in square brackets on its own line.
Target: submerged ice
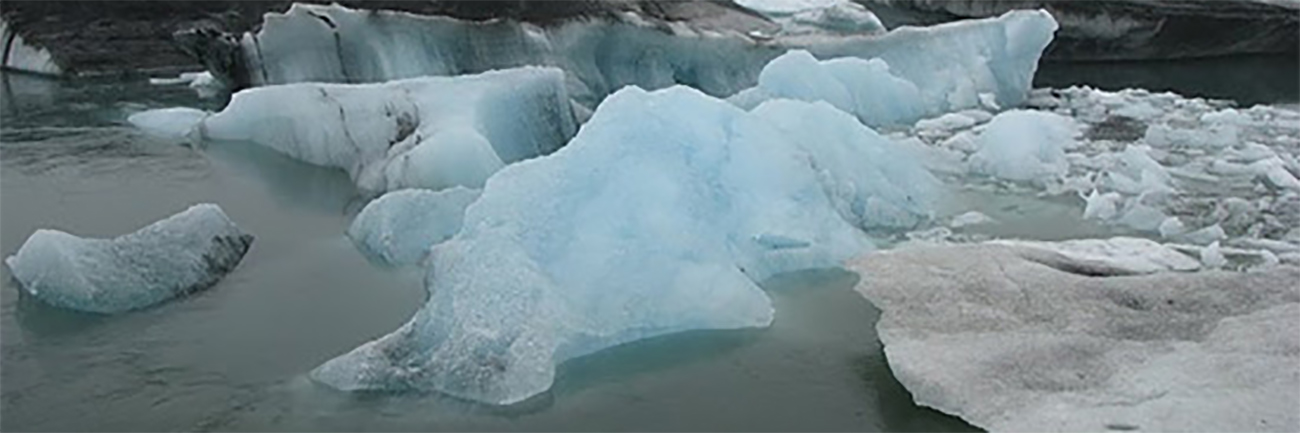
[658, 217]
[183, 253]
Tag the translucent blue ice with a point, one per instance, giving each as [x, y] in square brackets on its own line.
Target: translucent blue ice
[399, 227]
[186, 252]
[658, 217]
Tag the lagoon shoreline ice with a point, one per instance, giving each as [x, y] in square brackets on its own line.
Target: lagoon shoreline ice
[1019, 337]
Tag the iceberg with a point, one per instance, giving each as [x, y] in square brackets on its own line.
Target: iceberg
[1022, 338]
[913, 73]
[184, 253]
[174, 122]
[399, 227]
[658, 217]
[1025, 145]
[432, 132]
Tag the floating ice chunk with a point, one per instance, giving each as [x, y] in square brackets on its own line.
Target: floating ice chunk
[657, 218]
[186, 252]
[1227, 115]
[1011, 339]
[786, 7]
[1171, 227]
[842, 17]
[175, 122]
[1205, 235]
[1142, 216]
[1212, 258]
[433, 132]
[1274, 171]
[1024, 145]
[399, 227]
[969, 219]
[865, 88]
[1101, 206]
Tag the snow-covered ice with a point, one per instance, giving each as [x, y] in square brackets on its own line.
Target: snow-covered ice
[658, 217]
[432, 132]
[399, 227]
[1021, 338]
[183, 253]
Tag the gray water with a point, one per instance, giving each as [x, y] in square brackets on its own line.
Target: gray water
[235, 357]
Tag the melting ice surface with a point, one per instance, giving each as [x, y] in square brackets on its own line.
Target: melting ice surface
[658, 217]
[183, 253]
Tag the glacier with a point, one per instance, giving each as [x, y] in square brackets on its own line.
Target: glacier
[658, 217]
[183, 253]
[431, 132]
[1048, 337]
[317, 43]
[399, 227]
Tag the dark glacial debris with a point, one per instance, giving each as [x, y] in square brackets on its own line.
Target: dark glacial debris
[1096, 30]
[1117, 128]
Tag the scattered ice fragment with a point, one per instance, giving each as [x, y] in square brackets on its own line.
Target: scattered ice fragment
[969, 219]
[1131, 255]
[1171, 227]
[658, 217]
[183, 253]
[1101, 206]
[946, 122]
[1205, 235]
[1212, 258]
[399, 227]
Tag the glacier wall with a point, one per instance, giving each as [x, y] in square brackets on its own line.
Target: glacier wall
[658, 217]
[336, 44]
[430, 132]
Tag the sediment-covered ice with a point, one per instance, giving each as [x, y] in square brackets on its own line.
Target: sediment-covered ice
[432, 132]
[1019, 338]
[942, 69]
[658, 217]
[399, 227]
[183, 253]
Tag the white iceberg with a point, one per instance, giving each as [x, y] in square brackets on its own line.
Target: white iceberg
[174, 122]
[658, 217]
[399, 227]
[1024, 145]
[432, 132]
[186, 252]
[1011, 338]
[913, 73]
